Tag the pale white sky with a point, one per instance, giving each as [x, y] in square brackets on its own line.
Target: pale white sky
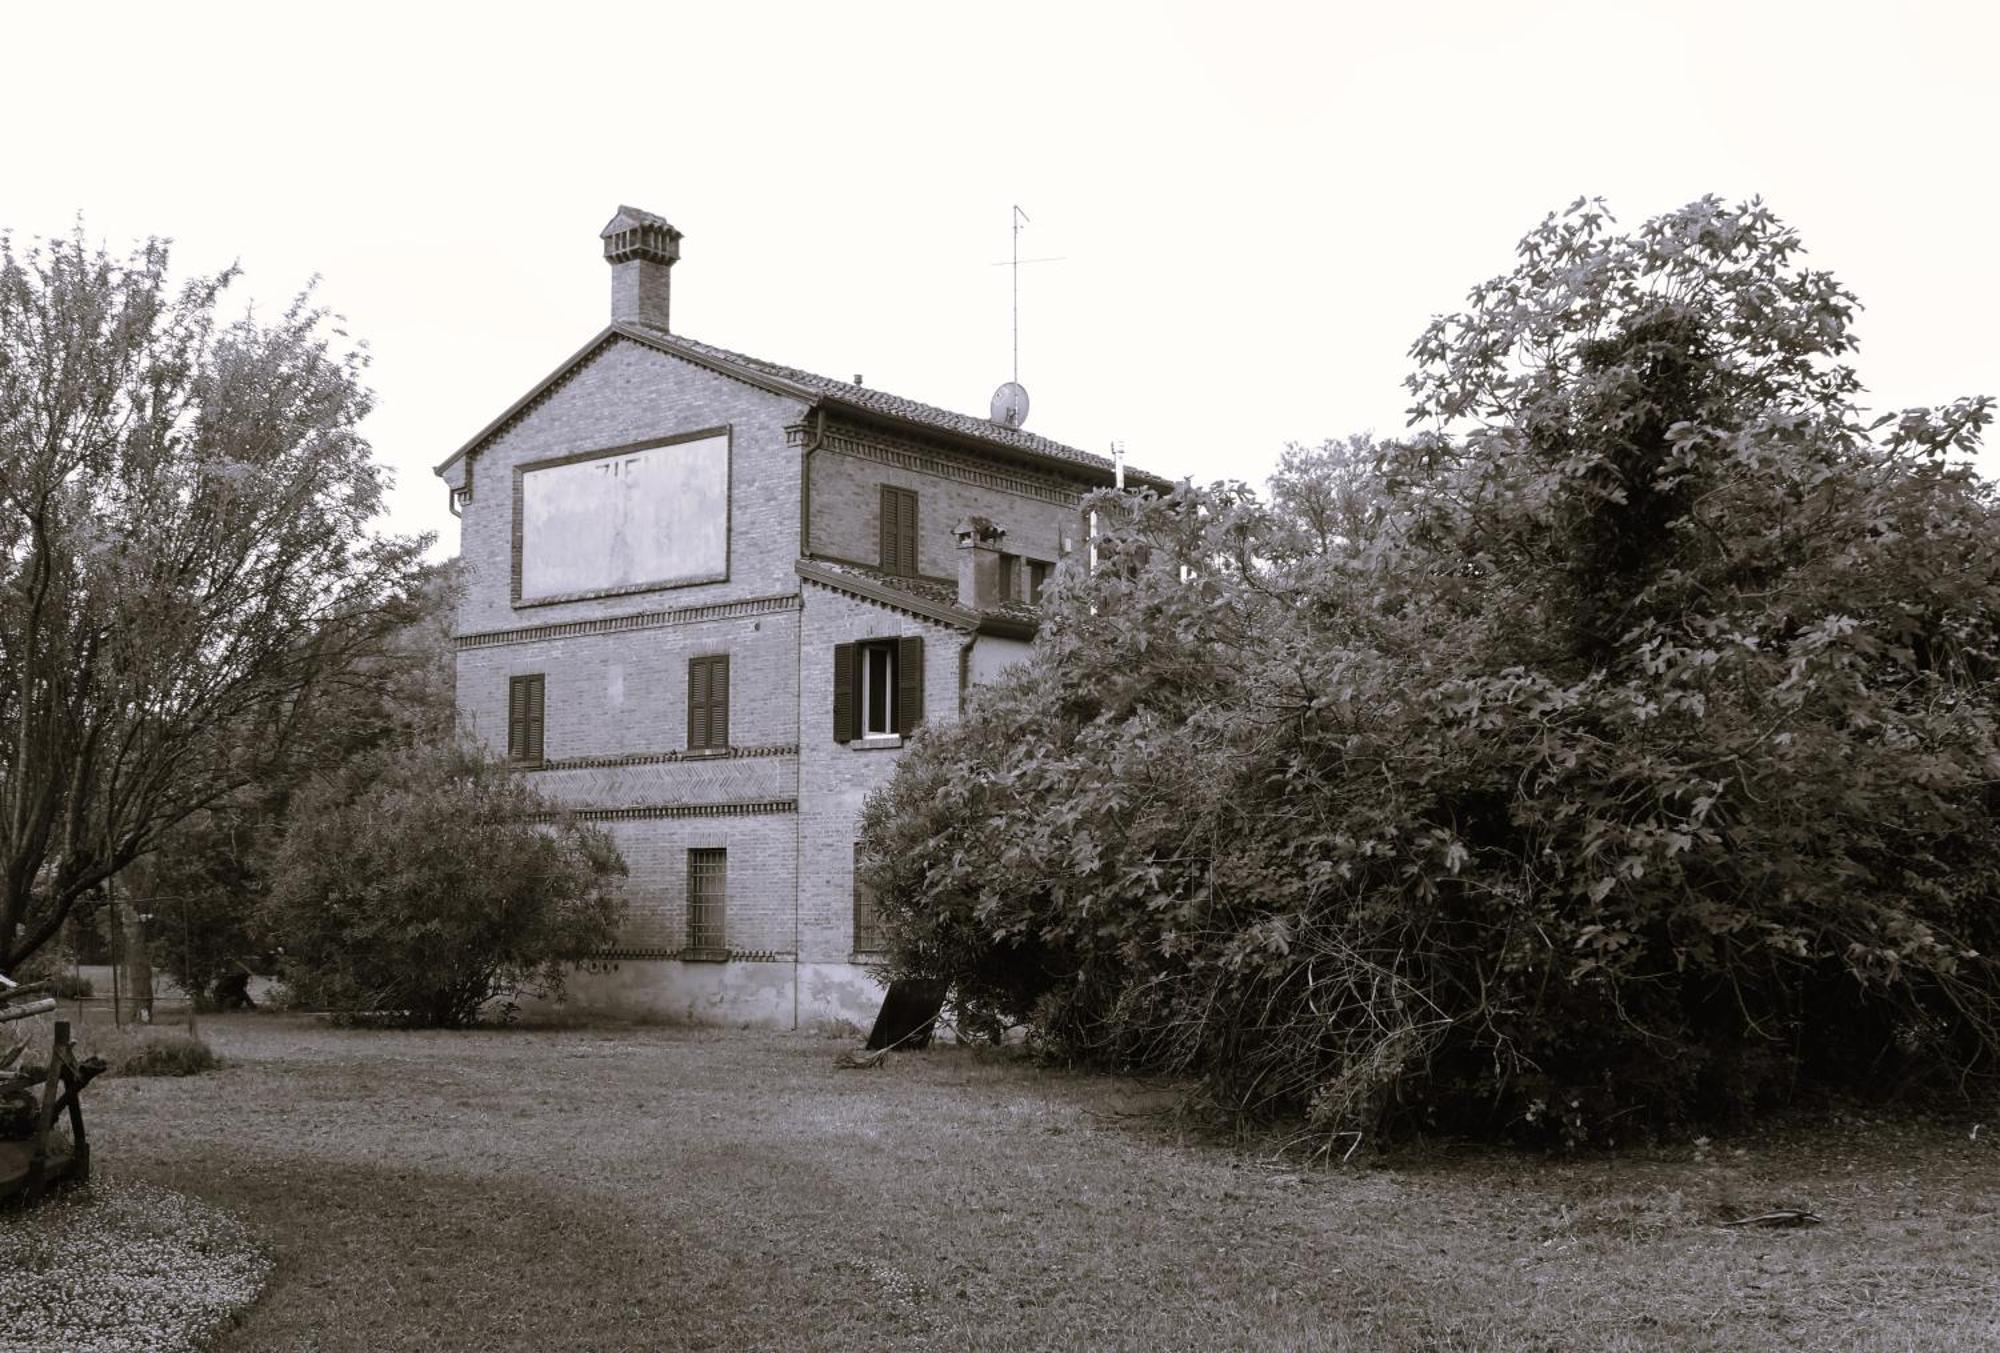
[1256, 206]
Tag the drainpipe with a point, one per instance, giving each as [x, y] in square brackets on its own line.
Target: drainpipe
[813, 439]
[814, 436]
[798, 792]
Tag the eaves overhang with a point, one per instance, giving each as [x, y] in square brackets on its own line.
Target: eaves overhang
[867, 589]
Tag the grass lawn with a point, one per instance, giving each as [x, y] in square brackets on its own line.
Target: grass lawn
[670, 1188]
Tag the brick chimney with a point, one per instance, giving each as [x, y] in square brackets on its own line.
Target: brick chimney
[978, 562]
[641, 249]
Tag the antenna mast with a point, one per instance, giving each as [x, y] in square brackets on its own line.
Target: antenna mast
[1019, 218]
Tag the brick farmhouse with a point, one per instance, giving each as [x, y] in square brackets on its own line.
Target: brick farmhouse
[708, 599]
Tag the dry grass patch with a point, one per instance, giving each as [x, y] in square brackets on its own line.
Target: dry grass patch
[658, 1188]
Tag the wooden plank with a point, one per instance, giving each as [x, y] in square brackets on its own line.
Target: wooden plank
[41, 1007]
[17, 1159]
[909, 1015]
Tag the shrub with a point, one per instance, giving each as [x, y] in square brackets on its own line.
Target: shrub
[161, 1053]
[440, 884]
[1634, 764]
[72, 986]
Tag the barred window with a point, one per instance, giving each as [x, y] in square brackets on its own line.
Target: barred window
[868, 937]
[708, 889]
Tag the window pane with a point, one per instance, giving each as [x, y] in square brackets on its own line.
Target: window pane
[880, 683]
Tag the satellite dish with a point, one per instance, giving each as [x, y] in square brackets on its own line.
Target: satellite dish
[1010, 405]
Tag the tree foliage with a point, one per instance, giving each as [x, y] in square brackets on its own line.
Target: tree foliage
[207, 879]
[1636, 765]
[184, 558]
[435, 882]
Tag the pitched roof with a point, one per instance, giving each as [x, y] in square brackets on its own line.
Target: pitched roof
[879, 401]
[815, 391]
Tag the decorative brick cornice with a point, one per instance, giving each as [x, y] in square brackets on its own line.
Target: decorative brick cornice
[643, 620]
[657, 758]
[883, 449]
[644, 812]
[544, 390]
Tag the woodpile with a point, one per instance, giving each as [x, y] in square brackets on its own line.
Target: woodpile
[34, 1154]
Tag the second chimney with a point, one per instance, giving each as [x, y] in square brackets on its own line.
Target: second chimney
[978, 563]
[641, 249]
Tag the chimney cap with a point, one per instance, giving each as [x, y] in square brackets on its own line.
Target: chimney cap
[633, 233]
[975, 531]
[630, 218]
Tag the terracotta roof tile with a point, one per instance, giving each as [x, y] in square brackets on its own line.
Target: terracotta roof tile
[893, 406]
[936, 591]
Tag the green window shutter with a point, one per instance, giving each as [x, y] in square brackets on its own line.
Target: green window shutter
[534, 738]
[846, 711]
[718, 702]
[909, 683]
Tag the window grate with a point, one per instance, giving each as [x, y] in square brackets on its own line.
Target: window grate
[868, 938]
[708, 887]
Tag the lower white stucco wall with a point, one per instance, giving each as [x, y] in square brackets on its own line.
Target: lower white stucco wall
[770, 995]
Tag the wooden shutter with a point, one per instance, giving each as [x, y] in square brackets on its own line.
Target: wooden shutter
[889, 514]
[697, 702]
[899, 530]
[517, 719]
[846, 713]
[533, 748]
[718, 702]
[906, 533]
[909, 683]
[708, 702]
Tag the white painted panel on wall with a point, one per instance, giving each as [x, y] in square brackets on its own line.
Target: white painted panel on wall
[634, 519]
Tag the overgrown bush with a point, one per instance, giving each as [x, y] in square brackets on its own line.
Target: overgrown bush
[158, 1053]
[1631, 762]
[71, 986]
[435, 885]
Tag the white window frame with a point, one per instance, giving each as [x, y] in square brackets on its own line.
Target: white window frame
[869, 652]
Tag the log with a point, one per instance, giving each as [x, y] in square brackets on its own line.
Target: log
[41, 1007]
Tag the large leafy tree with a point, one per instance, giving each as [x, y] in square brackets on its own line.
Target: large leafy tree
[185, 558]
[206, 880]
[1634, 763]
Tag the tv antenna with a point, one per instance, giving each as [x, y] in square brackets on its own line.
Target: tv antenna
[1010, 401]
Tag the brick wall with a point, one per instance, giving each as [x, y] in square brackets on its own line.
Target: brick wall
[847, 504]
[835, 778]
[625, 692]
[632, 393]
[762, 879]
